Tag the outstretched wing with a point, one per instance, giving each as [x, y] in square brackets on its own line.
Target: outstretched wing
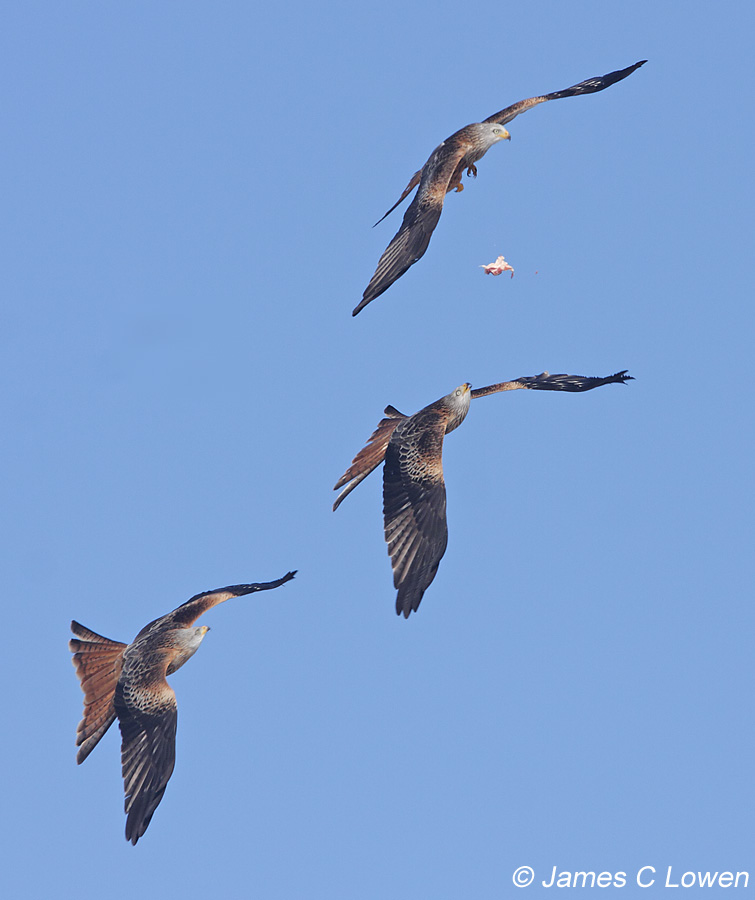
[411, 240]
[98, 662]
[148, 716]
[188, 613]
[414, 505]
[369, 457]
[590, 86]
[548, 382]
[572, 383]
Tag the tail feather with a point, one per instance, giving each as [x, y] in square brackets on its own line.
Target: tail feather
[369, 457]
[98, 662]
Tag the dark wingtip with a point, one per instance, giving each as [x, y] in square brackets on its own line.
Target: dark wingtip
[361, 305]
[240, 590]
[135, 830]
[406, 606]
[630, 69]
[286, 578]
[625, 73]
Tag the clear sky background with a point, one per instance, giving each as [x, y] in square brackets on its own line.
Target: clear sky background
[188, 194]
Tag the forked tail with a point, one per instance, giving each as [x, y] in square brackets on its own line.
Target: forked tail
[98, 662]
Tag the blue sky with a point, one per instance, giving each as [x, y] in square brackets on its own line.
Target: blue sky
[189, 192]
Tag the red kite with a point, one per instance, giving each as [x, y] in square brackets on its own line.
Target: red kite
[414, 493]
[442, 173]
[129, 681]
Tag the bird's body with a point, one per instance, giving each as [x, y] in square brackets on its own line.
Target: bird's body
[414, 495]
[442, 173]
[128, 682]
[414, 492]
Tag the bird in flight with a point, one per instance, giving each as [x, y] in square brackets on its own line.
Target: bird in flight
[414, 493]
[128, 681]
[442, 173]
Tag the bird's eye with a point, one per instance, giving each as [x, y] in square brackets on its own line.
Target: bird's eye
[458, 393]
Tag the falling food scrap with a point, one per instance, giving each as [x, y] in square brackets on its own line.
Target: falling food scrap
[498, 267]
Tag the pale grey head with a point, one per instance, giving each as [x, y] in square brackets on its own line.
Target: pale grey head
[458, 404]
[489, 133]
[186, 641]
